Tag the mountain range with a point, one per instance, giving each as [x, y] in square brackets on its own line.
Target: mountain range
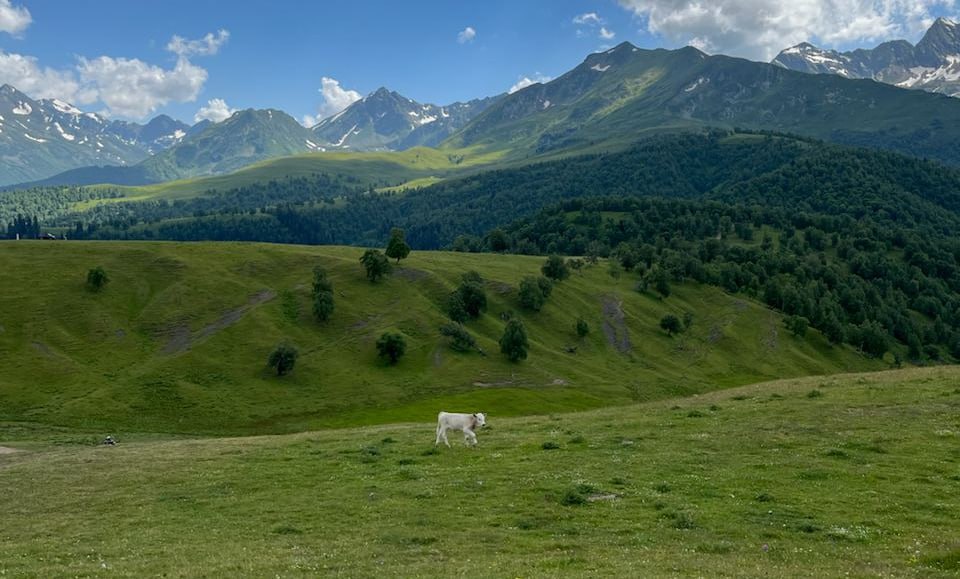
[610, 100]
[386, 120]
[932, 65]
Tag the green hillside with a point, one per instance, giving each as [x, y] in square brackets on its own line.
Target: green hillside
[818, 477]
[624, 92]
[178, 340]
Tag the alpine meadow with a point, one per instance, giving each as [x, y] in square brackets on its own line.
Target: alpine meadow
[678, 285]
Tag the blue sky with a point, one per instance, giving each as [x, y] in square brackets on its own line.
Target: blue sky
[117, 57]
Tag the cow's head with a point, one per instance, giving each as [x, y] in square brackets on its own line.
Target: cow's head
[481, 418]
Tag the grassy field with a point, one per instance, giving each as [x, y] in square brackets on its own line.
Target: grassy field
[852, 475]
[419, 166]
[178, 340]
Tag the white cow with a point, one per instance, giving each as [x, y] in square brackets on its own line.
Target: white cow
[459, 421]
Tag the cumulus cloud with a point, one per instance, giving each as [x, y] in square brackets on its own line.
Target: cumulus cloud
[526, 81]
[466, 35]
[759, 29]
[128, 87]
[26, 74]
[587, 18]
[206, 46]
[13, 19]
[216, 110]
[132, 88]
[606, 34]
[335, 99]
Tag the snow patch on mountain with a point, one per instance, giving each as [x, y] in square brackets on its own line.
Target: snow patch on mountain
[22, 108]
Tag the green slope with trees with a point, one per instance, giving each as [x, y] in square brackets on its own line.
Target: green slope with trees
[179, 336]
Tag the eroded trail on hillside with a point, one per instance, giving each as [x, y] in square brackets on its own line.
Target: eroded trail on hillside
[180, 338]
[614, 324]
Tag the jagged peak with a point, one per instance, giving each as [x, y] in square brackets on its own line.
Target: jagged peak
[944, 22]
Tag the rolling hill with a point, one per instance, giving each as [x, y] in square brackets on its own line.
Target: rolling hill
[188, 328]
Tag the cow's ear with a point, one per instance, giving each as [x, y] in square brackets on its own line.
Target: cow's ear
[474, 414]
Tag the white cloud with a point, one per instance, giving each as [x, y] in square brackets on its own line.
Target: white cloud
[606, 34]
[526, 81]
[13, 19]
[466, 35]
[132, 88]
[587, 18]
[216, 110]
[759, 29]
[206, 46]
[335, 99]
[26, 74]
[128, 87]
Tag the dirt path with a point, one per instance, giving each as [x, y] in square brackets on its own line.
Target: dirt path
[7, 450]
[614, 324]
[179, 338]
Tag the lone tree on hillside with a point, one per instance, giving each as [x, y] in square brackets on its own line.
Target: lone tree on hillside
[391, 345]
[582, 328]
[283, 358]
[555, 268]
[514, 341]
[97, 278]
[671, 324]
[375, 264]
[322, 295]
[534, 292]
[472, 293]
[797, 325]
[397, 247]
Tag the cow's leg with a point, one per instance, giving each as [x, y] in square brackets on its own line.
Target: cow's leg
[443, 434]
[469, 437]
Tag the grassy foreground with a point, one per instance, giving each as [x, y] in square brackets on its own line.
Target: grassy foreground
[178, 340]
[816, 477]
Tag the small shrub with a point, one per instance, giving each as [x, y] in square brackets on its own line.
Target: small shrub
[695, 414]
[459, 338]
[578, 439]
[763, 498]
[684, 521]
[808, 528]
[97, 278]
[837, 453]
[815, 394]
[283, 358]
[391, 346]
[576, 495]
[582, 328]
[549, 445]
[430, 451]
[671, 324]
[287, 530]
[662, 488]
